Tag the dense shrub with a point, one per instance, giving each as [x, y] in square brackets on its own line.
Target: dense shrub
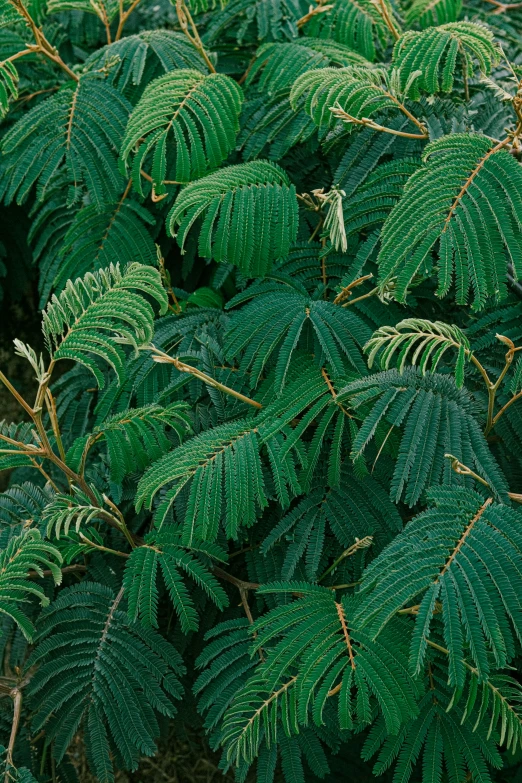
[266, 487]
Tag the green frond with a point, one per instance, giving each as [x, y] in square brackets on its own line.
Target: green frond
[436, 52]
[95, 239]
[215, 465]
[433, 417]
[163, 552]
[434, 743]
[270, 127]
[277, 318]
[137, 437]
[358, 91]
[75, 510]
[193, 117]
[370, 203]
[249, 214]
[23, 554]
[355, 23]
[351, 511]
[426, 13]
[139, 58]
[313, 654]
[100, 671]
[73, 129]
[420, 343]
[18, 505]
[82, 321]
[465, 201]
[461, 547]
[495, 704]
[8, 85]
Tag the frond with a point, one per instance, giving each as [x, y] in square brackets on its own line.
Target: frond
[355, 23]
[426, 13]
[97, 238]
[313, 654]
[214, 466]
[461, 547]
[162, 551]
[353, 511]
[139, 58]
[434, 742]
[195, 116]
[465, 199]
[73, 128]
[270, 127]
[137, 437]
[249, 215]
[20, 505]
[277, 318]
[23, 554]
[8, 86]
[420, 343]
[434, 417]
[99, 671]
[357, 91]
[436, 52]
[82, 321]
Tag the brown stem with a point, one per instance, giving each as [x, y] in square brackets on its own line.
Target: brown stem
[124, 15]
[320, 9]
[163, 358]
[388, 21]
[239, 583]
[347, 290]
[16, 395]
[16, 695]
[345, 117]
[185, 20]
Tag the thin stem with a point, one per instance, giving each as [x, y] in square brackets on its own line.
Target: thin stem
[18, 397]
[320, 9]
[164, 358]
[345, 117]
[16, 695]
[347, 290]
[185, 20]
[103, 548]
[350, 302]
[239, 583]
[388, 21]
[124, 15]
[361, 543]
[493, 388]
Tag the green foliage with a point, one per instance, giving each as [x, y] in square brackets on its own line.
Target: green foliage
[448, 542]
[436, 51]
[257, 196]
[263, 481]
[163, 551]
[435, 417]
[198, 113]
[25, 553]
[95, 666]
[76, 322]
[458, 200]
[68, 128]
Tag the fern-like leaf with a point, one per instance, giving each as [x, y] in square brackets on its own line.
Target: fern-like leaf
[249, 215]
[198, 113]
[466, 199]
[79, 323]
